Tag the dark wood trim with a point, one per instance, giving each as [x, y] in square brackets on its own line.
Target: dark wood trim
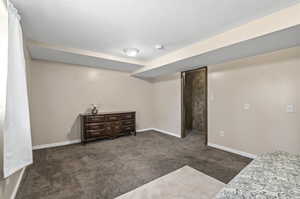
[193, 70]
[206, 104]
[182, 101]
[182, 105]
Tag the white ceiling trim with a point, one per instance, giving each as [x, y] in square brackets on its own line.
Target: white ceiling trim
[32, 43]
[284, 19]
[48, 52]
[283, 39]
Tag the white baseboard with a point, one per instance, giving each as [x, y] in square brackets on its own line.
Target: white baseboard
[159, 130]
[142, 130]
[15, 191]
[166, 132]
[224, 148]
[44, 146]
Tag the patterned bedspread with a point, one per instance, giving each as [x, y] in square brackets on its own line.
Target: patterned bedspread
[270, 176]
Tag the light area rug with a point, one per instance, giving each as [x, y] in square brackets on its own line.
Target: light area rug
[184, 183]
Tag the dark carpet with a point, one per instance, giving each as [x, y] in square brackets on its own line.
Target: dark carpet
[107, 169]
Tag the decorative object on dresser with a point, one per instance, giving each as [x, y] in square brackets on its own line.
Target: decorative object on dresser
[107, 125]
[94, 109]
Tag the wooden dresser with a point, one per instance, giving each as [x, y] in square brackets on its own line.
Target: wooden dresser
[106, 125]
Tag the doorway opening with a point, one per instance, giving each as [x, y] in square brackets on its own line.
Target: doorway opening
[194, 103]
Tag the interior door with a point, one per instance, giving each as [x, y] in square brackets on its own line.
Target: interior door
[186, 100]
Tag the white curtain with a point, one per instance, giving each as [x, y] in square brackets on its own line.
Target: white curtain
[17, 133]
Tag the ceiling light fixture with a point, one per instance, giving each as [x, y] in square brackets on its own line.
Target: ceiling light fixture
[159, 46]
[131, 52]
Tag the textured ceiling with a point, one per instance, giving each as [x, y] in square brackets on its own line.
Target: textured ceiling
[108, 26]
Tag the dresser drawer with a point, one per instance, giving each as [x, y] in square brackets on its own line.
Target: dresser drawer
[112, 117]
[128, 128]
[128, 122]
[95, 133]
[94, 118]
[114, 126]
[126, 116]
[94, 126]
[117, 128]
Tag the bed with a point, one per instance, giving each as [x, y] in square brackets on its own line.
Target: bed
[270, 176]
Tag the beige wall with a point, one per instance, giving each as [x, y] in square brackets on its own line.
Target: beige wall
[167, 104]
[268, 83]
[59, 92]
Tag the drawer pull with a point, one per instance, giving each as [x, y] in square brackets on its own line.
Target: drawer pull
[95, 118]
[128, 116]
[129, 122]
[96, 131]
[113, 117]
[128, 128]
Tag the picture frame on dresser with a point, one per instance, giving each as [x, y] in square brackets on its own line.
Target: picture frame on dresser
[107, 125]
